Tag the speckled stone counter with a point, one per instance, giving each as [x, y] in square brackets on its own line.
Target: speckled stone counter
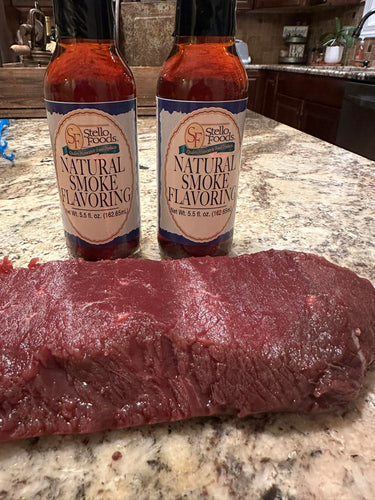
[295, 192]
[346, 72]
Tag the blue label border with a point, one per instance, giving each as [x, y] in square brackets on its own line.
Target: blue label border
[112, 107]
[170, 105]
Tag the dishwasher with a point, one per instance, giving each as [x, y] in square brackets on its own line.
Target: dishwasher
[356, 130]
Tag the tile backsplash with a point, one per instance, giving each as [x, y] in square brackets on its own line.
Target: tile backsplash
[263, 32]
[349, 16]
[148, 27]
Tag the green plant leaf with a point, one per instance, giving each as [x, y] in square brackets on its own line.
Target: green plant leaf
[338, 24]
[341, 36]
[326, 36]
[348, 40]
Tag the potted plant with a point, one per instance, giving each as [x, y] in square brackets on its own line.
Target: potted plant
[335, 41]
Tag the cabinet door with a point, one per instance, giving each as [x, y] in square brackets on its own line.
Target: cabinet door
[245, 4]
[24, 7]
[269, 92]
[314, 88]
[333, 3]
[288, 110]
[30, 4]
[320, 120]
[255, 79]
[271, 4]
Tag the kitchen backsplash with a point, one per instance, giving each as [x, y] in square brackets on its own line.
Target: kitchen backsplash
[263, 32]
[149, 27]
[349, 16]
[149, 24]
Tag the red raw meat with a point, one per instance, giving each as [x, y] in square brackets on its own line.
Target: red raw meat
[87, 346]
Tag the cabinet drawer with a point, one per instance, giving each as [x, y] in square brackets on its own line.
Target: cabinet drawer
[288, 110]
[255, 79]
[320, 89]
[269, 93]
[320, 121]
[245, 4]
[30, 4]
[271, 4]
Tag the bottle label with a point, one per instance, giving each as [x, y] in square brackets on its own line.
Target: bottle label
[95, 154]
[199, 162]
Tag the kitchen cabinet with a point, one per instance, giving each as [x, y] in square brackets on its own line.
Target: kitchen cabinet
[320, 120]
[316, 88]
[255, 93]
[268, 97]
[15, 102]
[245, 4]
[311, 103]
[271, 4]
[333, 3]
[313, 118]
[30, 4]
[288, 110]
[25, 5]
[289, 4]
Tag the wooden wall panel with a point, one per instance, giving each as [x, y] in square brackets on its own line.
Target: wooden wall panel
[21, 91]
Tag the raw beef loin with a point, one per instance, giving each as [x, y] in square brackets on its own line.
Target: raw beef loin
[88, 346]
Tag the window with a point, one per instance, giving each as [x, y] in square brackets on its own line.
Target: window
[368, 30]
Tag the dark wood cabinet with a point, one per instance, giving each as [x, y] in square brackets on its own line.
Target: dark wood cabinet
[269, 92]
[273, 4]
[245, 4]
[21, 91]
[30, 4]
[24, 6]
[255, 93]
[288, 110]
[332, 3]
[315, 88]
[311, 103]
[279, 5]
[320, 120]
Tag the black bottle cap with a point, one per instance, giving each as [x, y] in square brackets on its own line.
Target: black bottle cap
[88, 19]
[205, 18]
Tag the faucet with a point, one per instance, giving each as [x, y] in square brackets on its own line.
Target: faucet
[357, 31]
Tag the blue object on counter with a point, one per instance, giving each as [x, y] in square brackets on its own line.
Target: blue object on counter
[3, 142]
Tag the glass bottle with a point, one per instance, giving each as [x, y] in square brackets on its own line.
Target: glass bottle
[201, 106]
[359, 56]
[90, 99]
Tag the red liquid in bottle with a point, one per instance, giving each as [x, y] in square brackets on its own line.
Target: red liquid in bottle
[201, 68]
[86, 68]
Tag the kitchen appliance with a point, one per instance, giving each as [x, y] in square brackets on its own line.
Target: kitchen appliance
[356, 125]
[243, 51]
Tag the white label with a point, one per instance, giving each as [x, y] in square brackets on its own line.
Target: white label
[199, 168]
[96, 168]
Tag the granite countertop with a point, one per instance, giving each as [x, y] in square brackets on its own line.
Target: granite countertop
[295, 192]
[346, 72]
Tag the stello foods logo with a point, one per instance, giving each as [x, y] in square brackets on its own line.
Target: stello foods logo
[87, 141]
[94, 173]
[211, 139]
[201, 168]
